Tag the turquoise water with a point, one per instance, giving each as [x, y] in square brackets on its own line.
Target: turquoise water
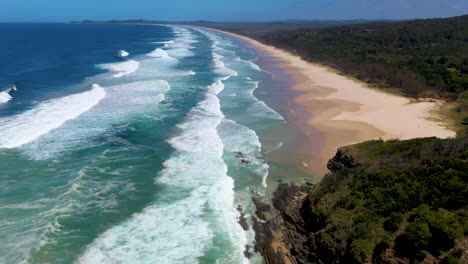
[142, 159]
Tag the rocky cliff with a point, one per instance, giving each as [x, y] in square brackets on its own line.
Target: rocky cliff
[383, 202]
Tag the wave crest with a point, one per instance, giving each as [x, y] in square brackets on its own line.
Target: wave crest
[5, 95]
[121, 68]
[30, 125]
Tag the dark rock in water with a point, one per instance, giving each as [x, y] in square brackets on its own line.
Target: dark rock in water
[262, 208]
[341, 161]
[242, 221]
[248, 251]
[241, 156]
[244, 161]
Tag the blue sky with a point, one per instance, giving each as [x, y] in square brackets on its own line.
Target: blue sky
[226, 10]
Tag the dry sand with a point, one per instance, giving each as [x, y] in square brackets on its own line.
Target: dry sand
[347, 111]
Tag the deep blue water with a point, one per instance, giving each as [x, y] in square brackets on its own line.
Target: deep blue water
[49, 60]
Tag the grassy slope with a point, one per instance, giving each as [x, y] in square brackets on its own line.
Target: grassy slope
[406, 201]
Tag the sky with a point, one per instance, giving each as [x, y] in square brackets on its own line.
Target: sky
[225, 10]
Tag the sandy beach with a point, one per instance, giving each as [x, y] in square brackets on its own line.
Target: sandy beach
[347, 111]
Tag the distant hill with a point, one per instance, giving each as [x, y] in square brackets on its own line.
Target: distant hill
[249, 28]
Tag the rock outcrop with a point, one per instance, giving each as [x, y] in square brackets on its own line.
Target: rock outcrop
[283, 237]
[341, 161]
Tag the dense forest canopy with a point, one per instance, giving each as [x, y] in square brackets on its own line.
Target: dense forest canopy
[399, 202]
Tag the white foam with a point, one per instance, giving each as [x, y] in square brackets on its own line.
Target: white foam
[180, 52]
[206, 115]
[122, 102]
[251, 64]
[121, 68]
[121, 53]
[162, 54]
[158, 53]
[28, 126]
[278, 146]
[240, 139]
[159, 234]
[257, 108]
[254, 66]
[220, 67]
[180, 46]
[260, 108]
[165, 42]
[5, 95]
[197, 202]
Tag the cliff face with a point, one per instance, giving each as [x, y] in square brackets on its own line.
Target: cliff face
[383, 202]
[285, 237]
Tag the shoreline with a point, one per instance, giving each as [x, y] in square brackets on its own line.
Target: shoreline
[347, 111]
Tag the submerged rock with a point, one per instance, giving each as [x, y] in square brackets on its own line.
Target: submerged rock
[239, 154]
[244, 161]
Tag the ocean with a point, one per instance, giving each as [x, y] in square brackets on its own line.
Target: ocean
[145, 158]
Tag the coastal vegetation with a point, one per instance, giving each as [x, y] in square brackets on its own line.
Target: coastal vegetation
[400, 199]
[421, 57]
[384, 202]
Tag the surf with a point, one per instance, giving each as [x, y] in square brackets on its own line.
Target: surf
[121, 68]
[28, 126]
[5, 95]
[177, 229]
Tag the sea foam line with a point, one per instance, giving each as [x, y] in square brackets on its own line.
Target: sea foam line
[122, 102]
[181, 45]
[195, 176]
[28, 126]
[121, 68]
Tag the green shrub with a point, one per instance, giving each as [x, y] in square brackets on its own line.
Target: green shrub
[393, 222]
[418, 234]
[362, 249]
[410, 198]
[454, 257]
